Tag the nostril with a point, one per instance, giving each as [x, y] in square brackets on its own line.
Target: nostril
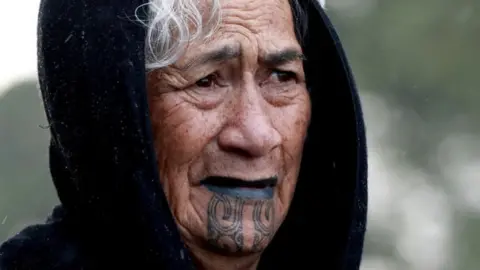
[240, 152]
[249, 142]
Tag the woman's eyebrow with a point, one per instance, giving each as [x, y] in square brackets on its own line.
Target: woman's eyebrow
[217, 55]
[229, 52]
[282, 57]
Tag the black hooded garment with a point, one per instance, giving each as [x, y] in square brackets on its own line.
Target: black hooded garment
[113, 212]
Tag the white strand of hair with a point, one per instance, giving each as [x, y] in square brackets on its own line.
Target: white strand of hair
[173, 24]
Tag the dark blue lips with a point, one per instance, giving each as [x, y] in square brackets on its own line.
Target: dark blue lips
[247, 193]
[261, 189]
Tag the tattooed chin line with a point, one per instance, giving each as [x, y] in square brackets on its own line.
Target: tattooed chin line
[226, 219]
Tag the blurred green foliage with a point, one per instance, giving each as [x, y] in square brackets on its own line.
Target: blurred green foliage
[26, 191]
[421, 55]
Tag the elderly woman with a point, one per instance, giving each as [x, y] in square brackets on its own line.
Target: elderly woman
[226, 134]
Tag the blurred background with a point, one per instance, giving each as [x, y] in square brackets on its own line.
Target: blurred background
[415, 62]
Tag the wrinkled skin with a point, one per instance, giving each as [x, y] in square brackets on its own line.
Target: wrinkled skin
[242, 116]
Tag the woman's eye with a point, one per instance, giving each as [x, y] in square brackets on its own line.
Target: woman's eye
[207, 81]
[284, 76]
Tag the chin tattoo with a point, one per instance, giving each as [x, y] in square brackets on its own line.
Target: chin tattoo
[226, 224]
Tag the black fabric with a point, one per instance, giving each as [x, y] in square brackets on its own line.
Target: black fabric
[102, 161]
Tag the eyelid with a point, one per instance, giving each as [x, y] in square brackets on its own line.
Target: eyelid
[195, 78]
[216, 80]
[295, 74]
[293, 67]
[284, 70]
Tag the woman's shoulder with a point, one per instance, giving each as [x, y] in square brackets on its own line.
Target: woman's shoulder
[41, 246]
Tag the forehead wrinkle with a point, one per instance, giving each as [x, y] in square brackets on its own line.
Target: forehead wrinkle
[257, 17]
[265, 13]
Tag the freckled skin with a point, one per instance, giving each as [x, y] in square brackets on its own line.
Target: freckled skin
[246, 122]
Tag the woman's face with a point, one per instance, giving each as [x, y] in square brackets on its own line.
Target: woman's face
[230, 119]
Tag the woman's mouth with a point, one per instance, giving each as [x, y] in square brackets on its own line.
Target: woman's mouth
[259, 189]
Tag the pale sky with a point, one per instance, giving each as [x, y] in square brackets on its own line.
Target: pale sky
[18, 56]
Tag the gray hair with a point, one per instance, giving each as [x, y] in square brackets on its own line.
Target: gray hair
[172, 24]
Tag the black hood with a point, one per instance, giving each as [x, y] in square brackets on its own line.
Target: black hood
[114, 213]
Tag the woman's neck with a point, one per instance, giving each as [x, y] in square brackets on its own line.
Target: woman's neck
[208, 260]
